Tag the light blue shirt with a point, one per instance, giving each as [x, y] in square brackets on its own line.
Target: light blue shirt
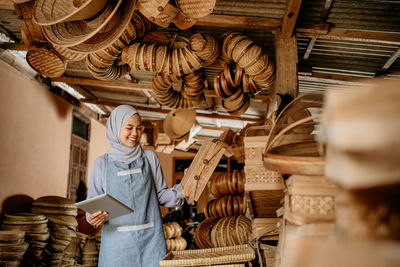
[168, 197]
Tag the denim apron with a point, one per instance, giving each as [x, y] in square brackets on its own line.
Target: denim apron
[135, 239]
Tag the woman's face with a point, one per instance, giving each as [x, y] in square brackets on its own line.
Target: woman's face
[132, 131]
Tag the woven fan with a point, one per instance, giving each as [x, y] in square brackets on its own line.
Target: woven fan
[203, 165]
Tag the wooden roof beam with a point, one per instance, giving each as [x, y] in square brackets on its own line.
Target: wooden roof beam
[106, 84]
[243, 22]
[165, 111]
[129, 86]
[351, 35]
[290, 17]
[391, 60]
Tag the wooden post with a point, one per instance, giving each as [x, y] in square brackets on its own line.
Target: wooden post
[286, 66]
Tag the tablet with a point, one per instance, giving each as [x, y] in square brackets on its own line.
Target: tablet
[104, 202]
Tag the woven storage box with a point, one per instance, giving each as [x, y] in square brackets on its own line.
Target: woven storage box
[309, 199]
[254, 147]
[257, 177]
[225, 256]
[265, 228]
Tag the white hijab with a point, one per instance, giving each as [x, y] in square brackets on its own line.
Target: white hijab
[118, 151]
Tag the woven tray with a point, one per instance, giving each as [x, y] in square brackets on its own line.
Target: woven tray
[209, 257]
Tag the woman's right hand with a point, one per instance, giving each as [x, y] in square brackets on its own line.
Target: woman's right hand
[97, 219]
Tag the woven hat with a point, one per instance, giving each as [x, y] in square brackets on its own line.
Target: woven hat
[71, 33]
[111, 31]
[178, 122]
[48, 12]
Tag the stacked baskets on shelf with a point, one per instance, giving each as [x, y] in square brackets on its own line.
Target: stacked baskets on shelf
[225, 225]
[173, 238]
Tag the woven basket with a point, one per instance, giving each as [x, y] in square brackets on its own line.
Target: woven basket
[260, 178]
[209, 257]
[310, 199]
[45, 62]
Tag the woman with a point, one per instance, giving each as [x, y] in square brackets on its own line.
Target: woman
[134, 177]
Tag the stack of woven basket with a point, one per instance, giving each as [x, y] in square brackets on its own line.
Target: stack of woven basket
[12, 247]
[102, 64]
[263, 187]
[59, 31]
[247, 70]
[225, 225]
[182, 62]
[173, 238]
[90, 252]
[309, 201]
[361, 132]
[72, 254]
[61, 213]
[36, 234]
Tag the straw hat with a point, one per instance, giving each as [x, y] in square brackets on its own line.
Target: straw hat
[177, 123]
[48, 12]
[71, 33]
[111, 31]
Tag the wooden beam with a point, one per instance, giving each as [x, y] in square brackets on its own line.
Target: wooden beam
[313, 27]
[6, 4]
[309, 48]
[129, 86]
[13, 46]
[319, 75]
[286, 65]
[290, 17]
[391, 60]
[165, 111]
[242, 22]
[106, 84]
[355, 35]
[325, 11]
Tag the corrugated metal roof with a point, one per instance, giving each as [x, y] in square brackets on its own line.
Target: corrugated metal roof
[373, 15]
[353, 58]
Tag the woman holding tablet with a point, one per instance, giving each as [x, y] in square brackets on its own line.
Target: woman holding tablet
[134, 177]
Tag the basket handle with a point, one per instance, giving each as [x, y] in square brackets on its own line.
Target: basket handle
[290, 127]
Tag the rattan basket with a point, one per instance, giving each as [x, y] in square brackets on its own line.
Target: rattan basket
[209, 257]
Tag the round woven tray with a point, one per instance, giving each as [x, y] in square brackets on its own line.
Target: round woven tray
[45, 62]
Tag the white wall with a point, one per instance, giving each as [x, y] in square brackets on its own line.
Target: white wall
[35, 138]
[98, 145]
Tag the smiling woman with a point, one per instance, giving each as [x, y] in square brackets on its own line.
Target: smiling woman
[132, 131]
[134, 177]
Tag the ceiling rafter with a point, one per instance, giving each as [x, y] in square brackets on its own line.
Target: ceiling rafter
[322, 18]
[391, 60]
[130, 86]
[165, 111]
[353, 35]
[290, 18]
[244, 22]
